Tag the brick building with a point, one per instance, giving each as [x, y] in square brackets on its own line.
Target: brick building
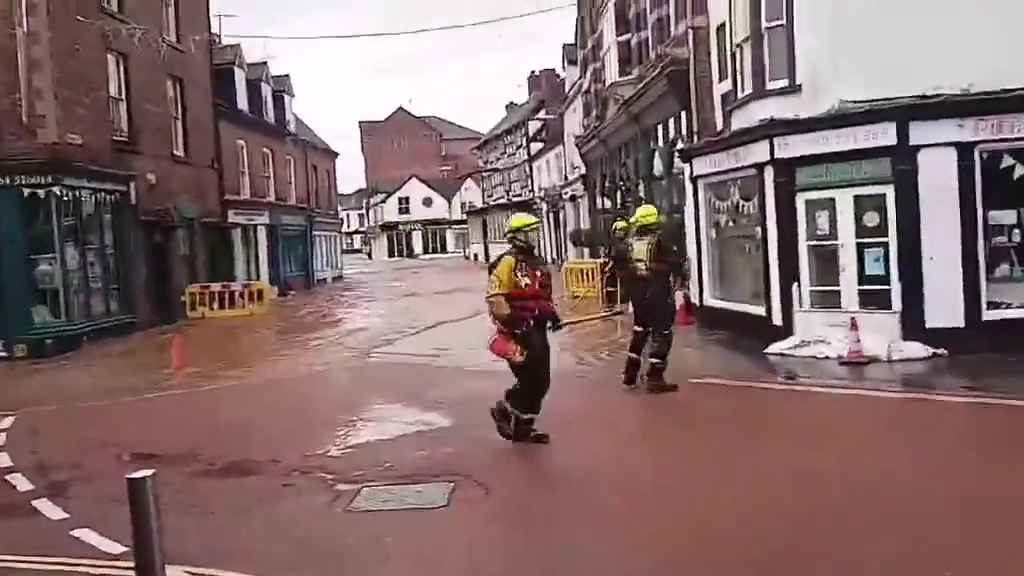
[108, 182]
[404, 145]
[278, 178]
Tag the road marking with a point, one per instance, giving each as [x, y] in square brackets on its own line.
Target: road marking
[3, 439]
[96, 570]
[98, 541]
[20, 483]
[5, 461]
[49, 509]
[90, 566]
[841, 391]
[6, 422]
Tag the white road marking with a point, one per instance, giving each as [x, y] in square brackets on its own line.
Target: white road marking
[3, 439]
[99, 541]
[6, 422]
[841, 391]
[96, 570]
[20, 483]
[5, 461]
[49, 509]
[89, 566]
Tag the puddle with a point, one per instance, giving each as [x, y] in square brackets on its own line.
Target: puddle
[383, 422]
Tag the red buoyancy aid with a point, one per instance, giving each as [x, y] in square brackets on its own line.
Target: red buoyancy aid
[530, 298]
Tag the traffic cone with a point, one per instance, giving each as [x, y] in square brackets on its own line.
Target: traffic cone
[685, 314]
[855, 351]
[177, 353]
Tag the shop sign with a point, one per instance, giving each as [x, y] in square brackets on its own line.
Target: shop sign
[26, 179]
[748, 155]
[838, 140]
[288, 220]
[839, 174]
[975, 129]
[243, 216]
[410, 227]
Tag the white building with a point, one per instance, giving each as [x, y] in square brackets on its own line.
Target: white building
[352, 209]
[420, 217]
[548, 166]
[868, 166]
[574, 212]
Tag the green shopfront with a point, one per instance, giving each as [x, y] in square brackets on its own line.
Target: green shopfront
[60, 260]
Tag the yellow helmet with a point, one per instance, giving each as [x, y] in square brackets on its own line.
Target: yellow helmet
[620, 225]
[521, 222]
[646, 215]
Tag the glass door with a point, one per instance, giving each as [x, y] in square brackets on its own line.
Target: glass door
[848, 249]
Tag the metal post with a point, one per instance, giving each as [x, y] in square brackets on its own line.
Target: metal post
[145, 513]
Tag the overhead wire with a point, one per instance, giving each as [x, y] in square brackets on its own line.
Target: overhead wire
[400, 33]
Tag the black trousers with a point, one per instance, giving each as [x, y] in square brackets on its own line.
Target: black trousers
[533, 377]
[654, 311]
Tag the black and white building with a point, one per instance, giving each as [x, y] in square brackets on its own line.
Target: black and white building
[859, 174]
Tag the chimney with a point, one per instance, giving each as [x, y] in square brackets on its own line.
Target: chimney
[510, 107]
[550, 85]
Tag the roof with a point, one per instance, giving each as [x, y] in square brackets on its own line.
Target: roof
[228, 54]
[353, 201]
[306, 133]
[448, 188]
[450, 130]
[258, 71]
[283, 83]
[516, 115]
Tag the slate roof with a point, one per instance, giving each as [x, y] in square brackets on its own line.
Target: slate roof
[227, 54]
[283, 83]
[353, 201]
[519, 114]
[450, 130]
[446, 187]
[306, 133]
[257, 71]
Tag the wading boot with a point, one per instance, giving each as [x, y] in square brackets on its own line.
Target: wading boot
[523, 432]
[656, 384]
[502, 417]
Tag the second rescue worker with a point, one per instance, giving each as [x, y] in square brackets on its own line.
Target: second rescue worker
[520, 303]
[653, 265]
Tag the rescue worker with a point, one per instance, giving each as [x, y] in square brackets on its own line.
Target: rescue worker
[655, 270]
[617, 270]
[520, 303]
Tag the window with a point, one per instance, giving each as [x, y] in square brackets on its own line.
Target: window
[427, 201]
[362, 220]
[314, 185]
[776, 43]
[72, 255]
[723, 52]
[743, 59]
[403, 206]
[268, 173]
[117, 91]
[733, 242]
[290, 162]
[1002, 231]
[243, 169]
[294, 253]
[170, 20]
[435, 241]
[329, 188]
[176, 104]
[112, 5]
[350, 243]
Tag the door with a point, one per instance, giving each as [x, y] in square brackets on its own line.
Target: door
[848, 249]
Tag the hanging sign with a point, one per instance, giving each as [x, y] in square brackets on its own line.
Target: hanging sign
[838, 140]
[840, 174]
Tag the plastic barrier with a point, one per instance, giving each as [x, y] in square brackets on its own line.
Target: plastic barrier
[584, 278]
[226, 300]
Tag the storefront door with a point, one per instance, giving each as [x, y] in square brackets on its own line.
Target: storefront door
[848, 251]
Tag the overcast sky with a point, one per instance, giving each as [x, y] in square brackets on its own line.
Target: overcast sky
[466, 76]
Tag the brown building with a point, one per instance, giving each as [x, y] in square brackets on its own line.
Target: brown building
[108, 182]
[278, 178]
[404, 145]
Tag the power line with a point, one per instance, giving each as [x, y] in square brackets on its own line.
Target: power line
[404, 32]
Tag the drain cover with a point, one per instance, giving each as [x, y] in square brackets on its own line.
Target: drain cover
[402, 497]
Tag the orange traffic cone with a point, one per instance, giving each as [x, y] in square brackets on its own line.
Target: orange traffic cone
[177, 353]
[685, 314]
[855, 352]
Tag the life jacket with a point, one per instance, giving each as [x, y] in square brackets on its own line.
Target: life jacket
[530, 296]
[643, 255]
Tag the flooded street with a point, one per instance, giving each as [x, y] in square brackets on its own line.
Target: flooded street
[265, 431]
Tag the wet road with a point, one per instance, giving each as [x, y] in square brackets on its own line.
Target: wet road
[272, 424]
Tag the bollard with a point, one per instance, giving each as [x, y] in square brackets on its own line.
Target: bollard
[145, 512]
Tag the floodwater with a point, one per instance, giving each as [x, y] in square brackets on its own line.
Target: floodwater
[383, 422]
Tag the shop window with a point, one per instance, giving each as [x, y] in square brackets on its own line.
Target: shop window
[72, 257]
[295, 254]
[435, 241]
[349, 243]
[733, 244]
[1002, 202]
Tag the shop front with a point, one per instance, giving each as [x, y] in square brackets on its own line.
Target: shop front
[61, 240]
[327, 250]
[291, 241]
[250, 243]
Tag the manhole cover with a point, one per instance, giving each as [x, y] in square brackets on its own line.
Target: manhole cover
[402, 497]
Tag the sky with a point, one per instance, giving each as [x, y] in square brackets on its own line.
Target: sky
[466, 76]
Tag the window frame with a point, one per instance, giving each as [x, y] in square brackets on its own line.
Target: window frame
[170, 22]
[742, 49]
[117, 65]
[267, 173]
[176, 105]
[723, 53]
[408, 206]
[983, 258]
[244, 181]
[784, 24]
[290, 175]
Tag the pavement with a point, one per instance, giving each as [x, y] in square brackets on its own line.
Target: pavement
[271, 426]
